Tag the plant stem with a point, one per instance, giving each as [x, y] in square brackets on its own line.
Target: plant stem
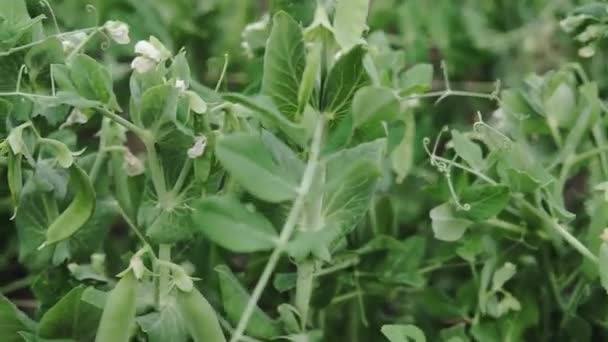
[304, 284]
[549, 221]
[156, 172]
[141, 133]
[16, 285]
[288, 228]
[164, 254]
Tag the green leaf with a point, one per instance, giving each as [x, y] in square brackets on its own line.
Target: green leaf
[270, 117]
[351, 179]
[284, 63]
[166, 325]
[520, 168]
[447, 224]
[62, 152]
[13, 321]
[485, 201]
[158, 105]
[252, 165]
[372, 105]
[41, 56]
[502, 275]
[603, 265]
[92, 80]
[346, 77]
[231, 225]
[235, 298]
[403, 333]
[71, 317]
[468, 150]
[301, 11]
[417, 79]
[163, 228]
[350, 21]
[561, 105]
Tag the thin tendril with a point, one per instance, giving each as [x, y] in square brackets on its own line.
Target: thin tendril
[223, 74]
[93, 10]
[46, 4]
[107, 40]
[460, 206]
[22, 70]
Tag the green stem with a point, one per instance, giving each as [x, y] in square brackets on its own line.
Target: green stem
[16, 285]
[32, 44]
[83, 43]
[141, 133]
[304, 283]
[164, 254]
[549, 221]
[288, 228]
[156, 171]
[507, 226]
[182, 176]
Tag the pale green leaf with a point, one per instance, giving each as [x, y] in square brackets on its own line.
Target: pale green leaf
[350, 22]
[403, 333]
[447, 224]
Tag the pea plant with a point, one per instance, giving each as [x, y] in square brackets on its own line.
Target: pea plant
[285, 174]
[151, 207]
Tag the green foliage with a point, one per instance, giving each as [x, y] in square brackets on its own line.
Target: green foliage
[173, 173]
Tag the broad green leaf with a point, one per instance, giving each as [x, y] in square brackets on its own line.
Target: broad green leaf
[41, 56]
[170, 226]
[71, 317]
[92, 80]
[351, 179]
[447, 224]
[180, 70]
[235, 298]
[158, 105]
[166, 325]
[14, 21]
[373, 105]
[284, 63]
[350, 22]
[283, 155]
[520, 168]
[301, 11]
[485, 201]
[403, 333]
[231, 225]
[62, 152]
[252, 165]
[603, 265]
[417, 79]
[346, 77]
[270, 116]
[13, 321]
[78, 212]
[561, 105]
[468, 150]
[502, 275]
[402, 261]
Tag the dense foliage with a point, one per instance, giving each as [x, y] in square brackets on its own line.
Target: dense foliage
[303, 170]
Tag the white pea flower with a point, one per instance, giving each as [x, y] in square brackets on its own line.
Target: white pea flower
[180, 85]
[132, 165]
[197, 150]
[587, 51]
[118, 31]
[142, 64]
[151, 52]
[71, 41]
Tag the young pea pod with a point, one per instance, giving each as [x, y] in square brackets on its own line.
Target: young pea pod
[77, 213]
[15, 177]
[199, 316]
[118, 317]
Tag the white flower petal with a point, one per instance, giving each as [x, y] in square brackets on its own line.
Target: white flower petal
[148, 50]
[180, 85]
[118, 30]
[142, 64]
[197, 150]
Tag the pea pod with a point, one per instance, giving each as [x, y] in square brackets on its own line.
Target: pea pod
[15, 177]
[199, 316]
[118, 317]
[78, 212]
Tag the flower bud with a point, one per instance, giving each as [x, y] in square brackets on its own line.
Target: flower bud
[118, 31]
